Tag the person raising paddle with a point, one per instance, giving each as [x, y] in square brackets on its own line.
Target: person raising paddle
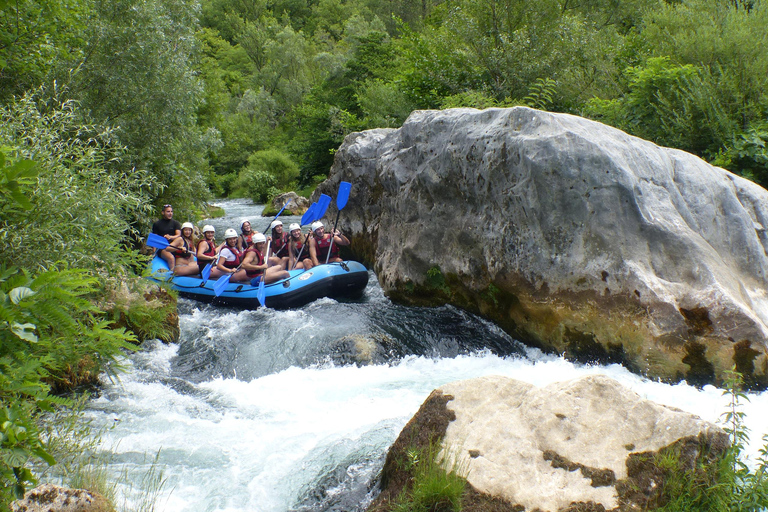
[320, 244]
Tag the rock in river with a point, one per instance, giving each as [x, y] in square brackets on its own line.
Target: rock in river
[571, 235]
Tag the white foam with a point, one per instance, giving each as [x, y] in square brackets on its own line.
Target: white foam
[234, 445]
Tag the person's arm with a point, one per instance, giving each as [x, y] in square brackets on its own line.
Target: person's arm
[313, 251]
[201, 250]
[248, 263]
[340, 239]
[291, 253]
[220, 265]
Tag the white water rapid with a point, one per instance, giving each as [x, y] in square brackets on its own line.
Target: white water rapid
[261, 410]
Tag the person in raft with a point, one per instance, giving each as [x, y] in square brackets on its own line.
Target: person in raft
[246, 235]
[295, 245]
[230, 258]
[278, 250]
[207, 249]
[181, 251]
[256, 265]
[320, 243]
[166, 226]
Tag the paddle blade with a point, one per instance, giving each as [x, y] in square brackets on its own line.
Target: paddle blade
[261, 292]
[206, 273]
[322, 206]
[308, 216]
[221, 284]
[343, 195]
[157, 241]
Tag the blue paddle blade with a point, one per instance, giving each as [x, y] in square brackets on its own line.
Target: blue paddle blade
[343, 195]
[206, 273]
[261, 292]
[221, 284]
[308, 216]
[157, 241]
[322, 205]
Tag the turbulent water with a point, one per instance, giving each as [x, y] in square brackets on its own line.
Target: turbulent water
[293, 410]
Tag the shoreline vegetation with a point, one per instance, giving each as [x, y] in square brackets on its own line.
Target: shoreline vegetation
[108, 110]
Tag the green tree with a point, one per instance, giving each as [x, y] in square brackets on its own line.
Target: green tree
[34, 36]
[81, 168]
[139, 73]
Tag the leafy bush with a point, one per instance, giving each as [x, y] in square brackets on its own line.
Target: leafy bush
[51, 337]
[277, 164]
[78, 202]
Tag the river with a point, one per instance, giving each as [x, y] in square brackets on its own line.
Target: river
[268, 411]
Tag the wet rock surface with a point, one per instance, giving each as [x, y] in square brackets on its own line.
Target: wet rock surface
[573, 236]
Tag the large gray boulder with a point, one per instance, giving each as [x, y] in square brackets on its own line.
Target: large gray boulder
[585, 444]
[573, 236]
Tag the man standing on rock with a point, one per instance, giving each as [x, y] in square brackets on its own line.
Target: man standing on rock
[166, 226]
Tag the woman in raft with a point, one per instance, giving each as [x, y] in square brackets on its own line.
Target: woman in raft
[207, 249]
[246, 235]
[256, 265]
[297, 250]
[278, 250]
[230, 258]
[320, 244]
[181, 250]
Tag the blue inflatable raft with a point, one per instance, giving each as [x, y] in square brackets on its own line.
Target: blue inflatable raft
[336, 280]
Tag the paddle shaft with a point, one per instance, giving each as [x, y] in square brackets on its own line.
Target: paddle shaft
[276, 216]
[333, 235]
[306, 239]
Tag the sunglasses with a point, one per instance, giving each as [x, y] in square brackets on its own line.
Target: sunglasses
[167, 206]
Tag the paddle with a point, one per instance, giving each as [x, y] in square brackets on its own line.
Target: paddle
[320, 207]
[341, 202]
[222, 282]
[157, 241]
[307, 218]
[276, 216]
[261, 292]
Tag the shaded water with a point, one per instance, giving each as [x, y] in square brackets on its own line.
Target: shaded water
[266, 411]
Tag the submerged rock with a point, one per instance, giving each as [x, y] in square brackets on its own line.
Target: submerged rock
[571, 235]
[362, 350]
[584, 444]
[53, 498]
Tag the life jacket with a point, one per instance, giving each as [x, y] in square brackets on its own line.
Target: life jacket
[182, 252]
[247, 240]
[260, 257]
[278, 244]
[211, 249]
[322, 246]
[238, 257]
[304, 254]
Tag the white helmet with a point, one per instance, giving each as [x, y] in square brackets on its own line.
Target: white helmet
[188, 225]
[258, 238]
[293, 226]
[230, 233]
[275, 223]
[208, 228]
[317, 225]
[243, 222]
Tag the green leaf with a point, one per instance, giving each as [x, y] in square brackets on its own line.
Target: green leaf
[25, 331]
[20, 293]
